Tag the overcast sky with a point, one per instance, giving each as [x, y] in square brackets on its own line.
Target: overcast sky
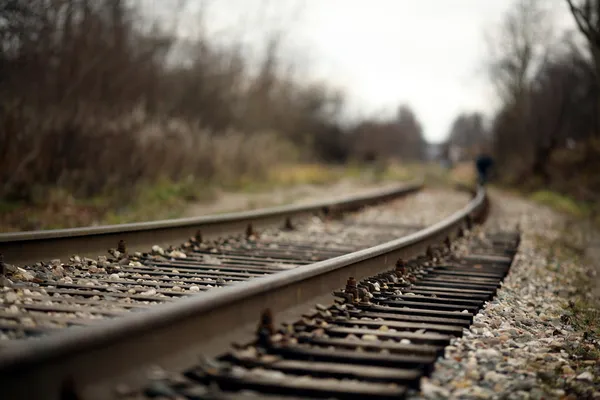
[426, 53]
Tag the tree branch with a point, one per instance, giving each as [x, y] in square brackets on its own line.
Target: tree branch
[580, 19]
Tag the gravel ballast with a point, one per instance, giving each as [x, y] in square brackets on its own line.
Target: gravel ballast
[523, 344]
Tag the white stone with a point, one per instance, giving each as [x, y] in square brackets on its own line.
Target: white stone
[585, 376]
[493, 376]
[488, 353]
[10, 297]
[431, 391]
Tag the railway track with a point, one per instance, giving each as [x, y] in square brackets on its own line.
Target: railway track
[285, 270]
[376, 341]
[31, 247]
[45, 297]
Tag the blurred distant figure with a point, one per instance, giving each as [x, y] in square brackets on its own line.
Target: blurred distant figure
[483, 164]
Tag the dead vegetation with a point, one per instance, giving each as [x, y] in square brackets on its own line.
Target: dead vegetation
[544, 134]
[101, 104]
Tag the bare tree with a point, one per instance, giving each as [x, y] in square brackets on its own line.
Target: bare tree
[400, 138]
[587, 16]
[86, 85]
[469, 134]
[518, 47]
[522, 43]
[410, 132]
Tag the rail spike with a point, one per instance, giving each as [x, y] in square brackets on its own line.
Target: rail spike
[68, 390]
[250, 231]
[429, 253]
[122, 247]
[469, 221]
[288, 226]
[448, 243]
[265, 329]
[352, 289]
[400, 267]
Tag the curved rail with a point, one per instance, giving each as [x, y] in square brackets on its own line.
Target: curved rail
[33, 246]
[91, 361]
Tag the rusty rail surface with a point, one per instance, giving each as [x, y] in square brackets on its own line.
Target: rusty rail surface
[88, 363]
[33, 246]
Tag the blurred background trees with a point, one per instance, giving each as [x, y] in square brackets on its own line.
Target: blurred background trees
[401, 138]
[96, 97]
[468, 136]
[544, 134]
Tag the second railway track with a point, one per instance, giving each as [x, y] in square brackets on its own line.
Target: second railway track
[45, 297]
[283, 270]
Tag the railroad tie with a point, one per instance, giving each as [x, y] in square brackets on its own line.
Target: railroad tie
[378, 338]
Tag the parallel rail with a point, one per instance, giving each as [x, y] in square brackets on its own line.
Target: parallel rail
[30, 247]
[45, 298]
[88, 363]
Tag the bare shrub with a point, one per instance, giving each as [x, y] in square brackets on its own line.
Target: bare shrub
[91, 155]
[95, 98]
[400, 138]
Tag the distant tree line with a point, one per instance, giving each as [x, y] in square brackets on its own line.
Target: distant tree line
[400, 137]
[94, 96]
[468, 136]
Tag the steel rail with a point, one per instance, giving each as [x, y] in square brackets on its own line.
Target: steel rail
[87, 363]
[33, 246]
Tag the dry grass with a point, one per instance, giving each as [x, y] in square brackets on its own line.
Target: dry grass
[168, 198]
[464, 173]
[131, 123]
[97, 154]
[132, 168]
[317, 174]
